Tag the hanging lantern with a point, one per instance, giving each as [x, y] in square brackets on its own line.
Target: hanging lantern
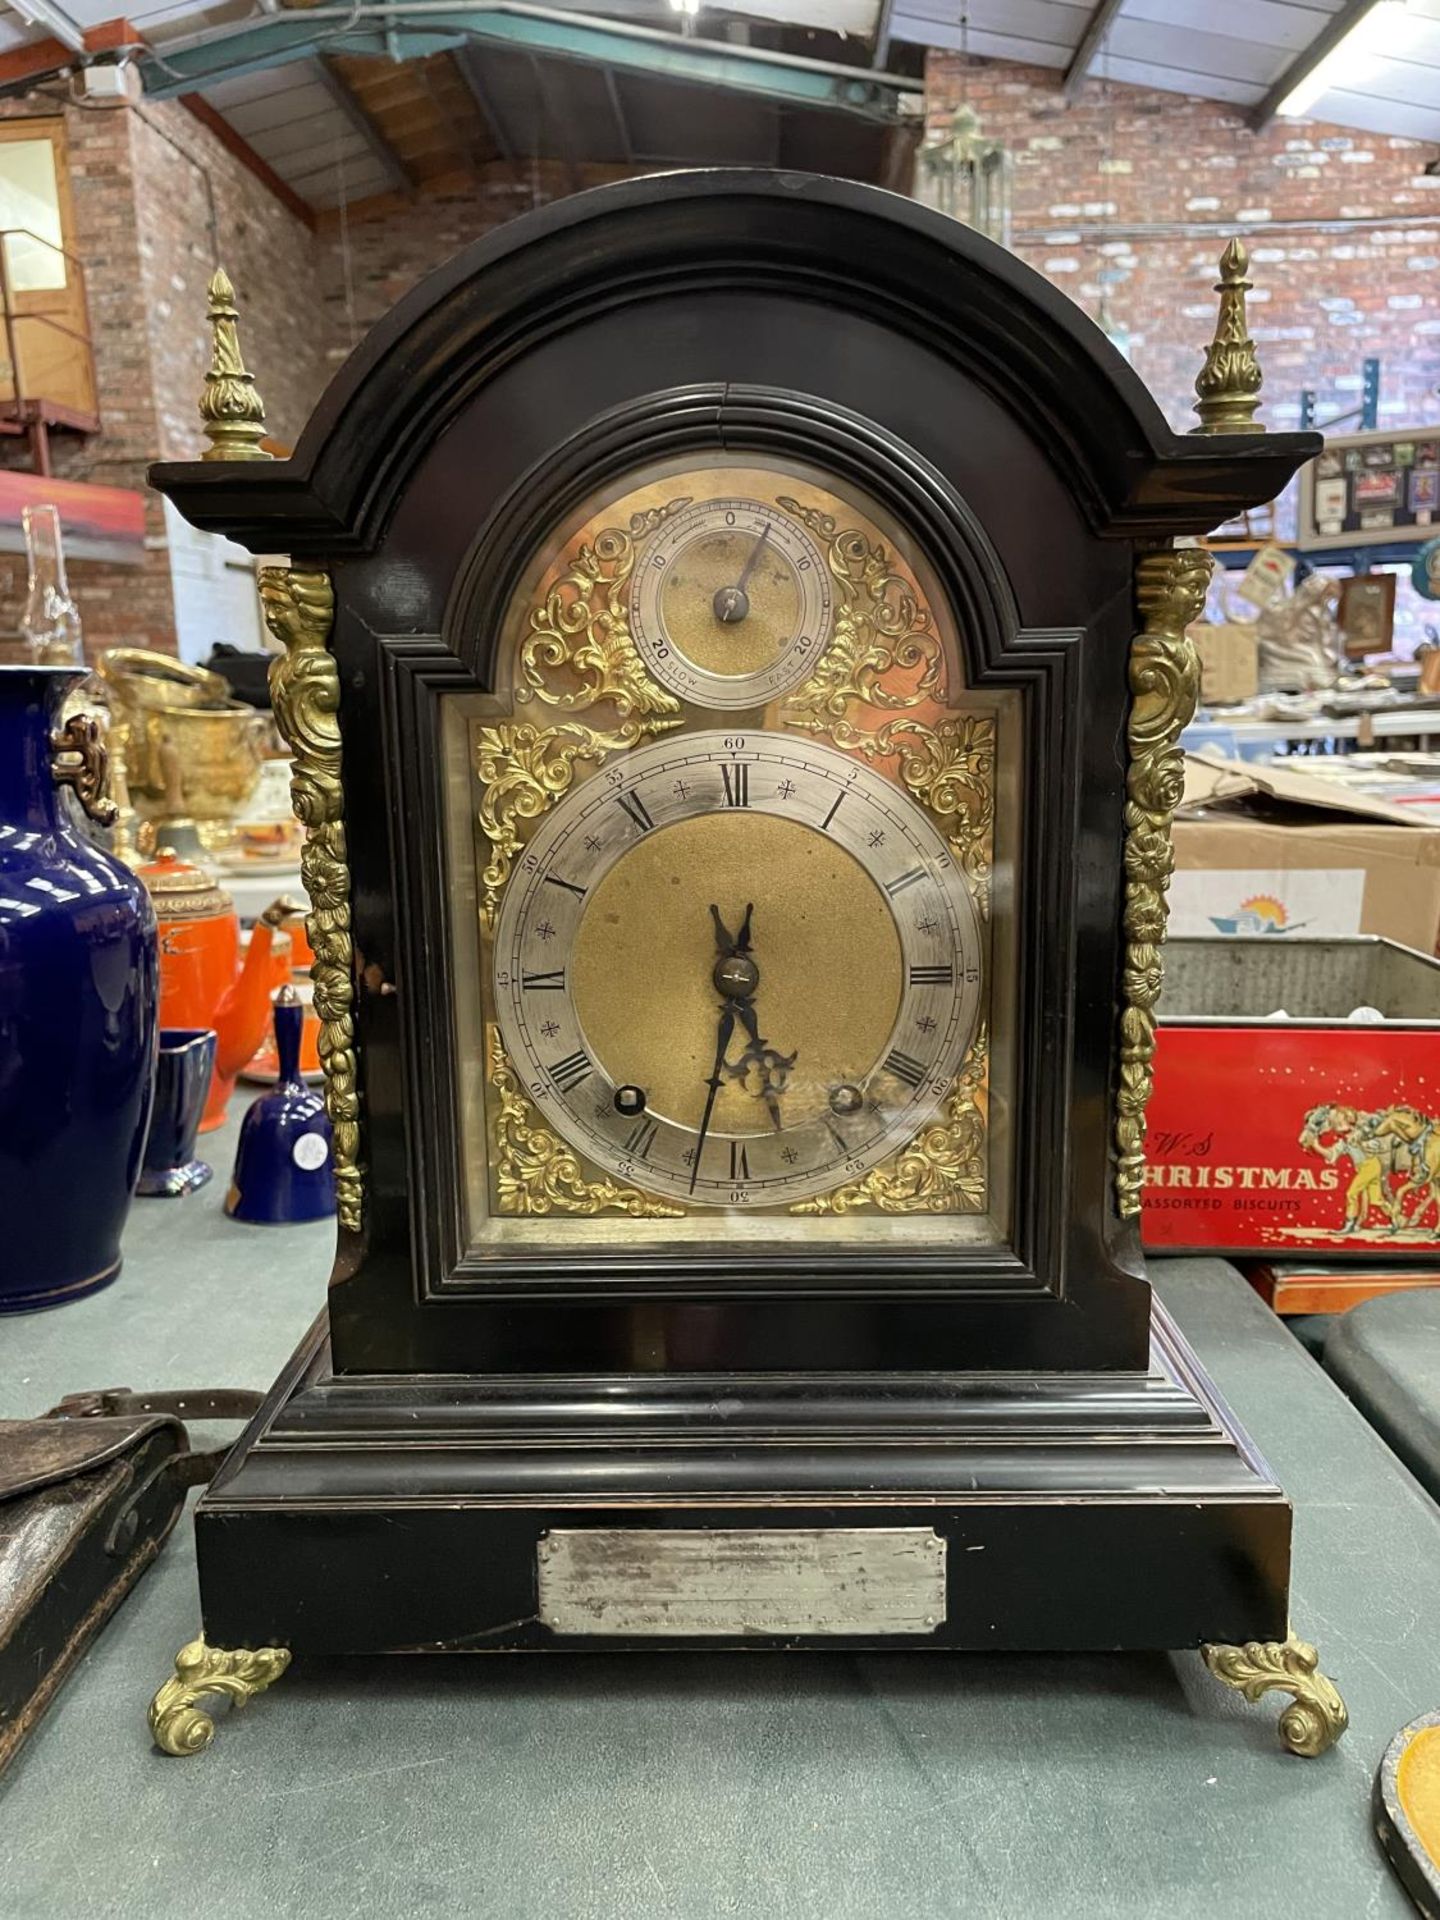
[967, 176]
[1115, 331]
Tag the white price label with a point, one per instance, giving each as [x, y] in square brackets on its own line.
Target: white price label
[310, 1151]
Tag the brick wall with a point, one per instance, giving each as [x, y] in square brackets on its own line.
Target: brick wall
[157, 199]
[1343, 229]
[196, 205]
[366, 262]
[116, 604]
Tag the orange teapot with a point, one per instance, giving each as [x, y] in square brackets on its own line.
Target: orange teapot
[203, 980]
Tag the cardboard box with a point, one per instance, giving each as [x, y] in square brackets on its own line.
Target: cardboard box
[1229, 663]
[1263, 850]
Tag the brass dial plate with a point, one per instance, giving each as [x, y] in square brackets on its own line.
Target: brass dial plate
[864, 937]
[577, 714]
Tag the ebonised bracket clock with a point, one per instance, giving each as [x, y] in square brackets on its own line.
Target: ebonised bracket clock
[734, 648]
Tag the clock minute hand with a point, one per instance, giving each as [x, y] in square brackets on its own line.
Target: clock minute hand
[716, 1080]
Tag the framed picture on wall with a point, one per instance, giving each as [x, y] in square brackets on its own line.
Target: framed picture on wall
[1367, 613]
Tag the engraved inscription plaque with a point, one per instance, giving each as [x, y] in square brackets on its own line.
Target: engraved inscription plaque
[803, 1580]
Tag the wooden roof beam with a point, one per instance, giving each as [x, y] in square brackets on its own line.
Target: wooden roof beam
[40, 58]
[467, 59]
[1305, 62]
[1091, 40]
[398, 177]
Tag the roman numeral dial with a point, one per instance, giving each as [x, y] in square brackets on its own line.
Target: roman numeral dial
[735, 970]
[735, 783]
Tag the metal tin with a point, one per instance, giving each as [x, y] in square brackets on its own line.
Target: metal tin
[1280, 1125]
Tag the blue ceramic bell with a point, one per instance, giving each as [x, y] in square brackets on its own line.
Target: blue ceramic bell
[182, 1080]
[284, 1169]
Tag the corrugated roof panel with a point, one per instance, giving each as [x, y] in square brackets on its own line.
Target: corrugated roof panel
[256, 117]
[1049, 23]
[1383, 116]
[1414, 86]
[290, 117]
[1166, 79]
[248, 87]
[933, 23]
[157, 18]
[1201, 55]
[1240, 48]
[309, 134]
[1231, 50]
[317, 156]
[1266, 23]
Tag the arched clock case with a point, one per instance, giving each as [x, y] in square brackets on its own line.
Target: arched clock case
[734, 649]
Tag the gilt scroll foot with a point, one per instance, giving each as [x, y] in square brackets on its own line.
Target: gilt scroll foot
[178, 1723]
[1316, 1716]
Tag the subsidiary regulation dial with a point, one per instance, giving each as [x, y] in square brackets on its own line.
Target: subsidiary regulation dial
[731, 603]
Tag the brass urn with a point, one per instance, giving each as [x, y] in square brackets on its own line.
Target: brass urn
[192, 753]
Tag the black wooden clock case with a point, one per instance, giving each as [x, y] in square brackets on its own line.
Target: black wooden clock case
[1030, 1404]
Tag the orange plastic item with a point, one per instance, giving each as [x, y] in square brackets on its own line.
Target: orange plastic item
[203, 981]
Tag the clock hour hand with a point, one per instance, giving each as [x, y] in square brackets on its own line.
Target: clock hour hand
[737, 976]
[728, 943]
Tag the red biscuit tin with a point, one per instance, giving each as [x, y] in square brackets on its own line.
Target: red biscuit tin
[1280, 1123]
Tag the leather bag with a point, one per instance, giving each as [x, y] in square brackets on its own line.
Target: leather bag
[88, 1493]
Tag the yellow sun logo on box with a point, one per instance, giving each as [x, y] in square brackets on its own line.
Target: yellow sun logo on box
[1265, 908]
[1261, 913]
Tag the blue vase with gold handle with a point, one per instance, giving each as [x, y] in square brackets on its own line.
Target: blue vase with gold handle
[78, 997]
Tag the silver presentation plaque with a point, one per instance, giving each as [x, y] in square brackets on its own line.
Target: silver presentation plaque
[801, 1580]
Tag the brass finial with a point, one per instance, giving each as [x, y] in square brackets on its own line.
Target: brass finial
[232, 412]
[1229, 382]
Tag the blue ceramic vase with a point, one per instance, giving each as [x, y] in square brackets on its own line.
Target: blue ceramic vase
[78, 996]
[284, 1167]
[182, 1080]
